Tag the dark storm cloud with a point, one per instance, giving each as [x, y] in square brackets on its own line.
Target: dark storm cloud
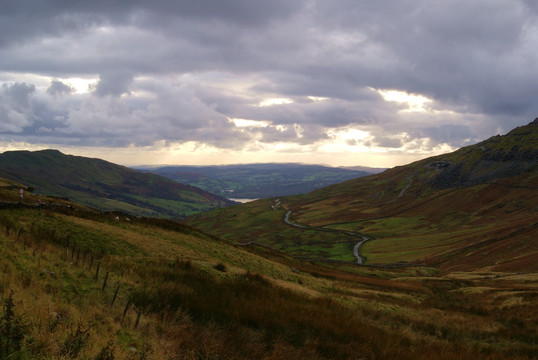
[389, 142]
[473, 51]
[449, 133]
[24, 114]
[114, 83]
[57, 87]
[159, 67]
[14, 101]
[18, 95]
[23, 19]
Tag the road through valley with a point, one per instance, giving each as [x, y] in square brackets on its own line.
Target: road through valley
[362, 239]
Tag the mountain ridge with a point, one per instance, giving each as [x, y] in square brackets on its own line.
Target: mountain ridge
[104, 185]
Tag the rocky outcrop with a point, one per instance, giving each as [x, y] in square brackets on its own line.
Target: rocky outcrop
[513, 154]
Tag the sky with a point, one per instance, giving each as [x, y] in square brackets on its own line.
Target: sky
[336, 82]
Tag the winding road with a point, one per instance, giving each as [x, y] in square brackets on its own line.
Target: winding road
[356, 249]
[362, 238]
[357, 246]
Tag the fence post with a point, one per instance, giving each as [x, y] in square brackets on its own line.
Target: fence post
[115, 295]
[97, 271]
[67, 247]
[104, 282]
[19, 234]
[126, 309]
[138, 313]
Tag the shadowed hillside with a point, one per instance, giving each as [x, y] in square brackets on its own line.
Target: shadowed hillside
[103, 185]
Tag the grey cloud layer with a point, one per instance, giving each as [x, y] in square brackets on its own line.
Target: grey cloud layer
[477, 61]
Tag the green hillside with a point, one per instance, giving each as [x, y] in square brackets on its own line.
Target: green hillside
[77, 284]
[103, 185]
[473, 208]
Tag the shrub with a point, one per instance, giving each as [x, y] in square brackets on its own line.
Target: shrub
[220, 267]
[107, 352]
[75, 342]
[12, 331]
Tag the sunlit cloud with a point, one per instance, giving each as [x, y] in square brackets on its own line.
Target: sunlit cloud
[318, 98]
[249, 123]
[275, 101]
[414, 102]
[346, 134]
[298, 130]
[81, 85]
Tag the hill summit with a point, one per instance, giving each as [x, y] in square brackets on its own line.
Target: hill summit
[514, 154]
[104, 185]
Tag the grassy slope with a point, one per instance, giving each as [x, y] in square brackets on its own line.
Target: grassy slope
[258, 222]
[104, 185]
[478, 211]
[200, 297]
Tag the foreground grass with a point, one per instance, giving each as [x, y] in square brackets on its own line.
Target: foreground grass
[172, 292]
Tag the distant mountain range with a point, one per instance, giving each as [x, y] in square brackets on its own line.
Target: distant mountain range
[473, 208]
[254, 181]
[104, 185]
[370, 170]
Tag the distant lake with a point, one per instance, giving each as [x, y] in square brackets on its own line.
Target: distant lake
[242, 201]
